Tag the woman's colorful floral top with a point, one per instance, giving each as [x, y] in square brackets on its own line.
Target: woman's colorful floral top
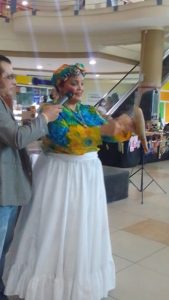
[76, 132]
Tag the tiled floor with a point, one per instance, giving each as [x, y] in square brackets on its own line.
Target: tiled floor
[140, 239]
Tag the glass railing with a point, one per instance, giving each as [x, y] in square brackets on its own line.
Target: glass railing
[94, 4]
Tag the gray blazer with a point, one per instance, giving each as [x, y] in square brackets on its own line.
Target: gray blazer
[15, 167]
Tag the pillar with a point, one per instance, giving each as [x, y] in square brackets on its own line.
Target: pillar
[151, 61]
[152, 47]
[34, 10]
[13, 5]
[76, 7]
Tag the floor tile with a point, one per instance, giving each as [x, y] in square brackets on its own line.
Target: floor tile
[121, 263]
[155, 206]
[132, 247]
[120, 218]
[138, 283]
[151, 229]
[158, 262]
[150, 179]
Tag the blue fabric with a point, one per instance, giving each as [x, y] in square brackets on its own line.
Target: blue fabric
[74, 132]
[8, 217]
[84, 115]
[77, 132]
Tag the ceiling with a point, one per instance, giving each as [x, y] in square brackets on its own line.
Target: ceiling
[53, 37]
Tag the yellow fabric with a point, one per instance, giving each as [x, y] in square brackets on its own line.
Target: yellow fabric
[81, 140]
[123, 137]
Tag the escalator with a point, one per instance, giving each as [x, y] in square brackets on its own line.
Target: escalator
[123, 95]
[119, 100]
[165, 69]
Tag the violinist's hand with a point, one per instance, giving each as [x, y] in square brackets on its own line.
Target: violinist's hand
[139, 127]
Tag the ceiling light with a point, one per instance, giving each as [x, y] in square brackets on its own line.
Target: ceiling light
[24, 3]
[92, 62]
[97, 75]
[39, 67]
[7, 6]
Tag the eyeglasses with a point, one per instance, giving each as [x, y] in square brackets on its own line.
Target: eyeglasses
[9, 76]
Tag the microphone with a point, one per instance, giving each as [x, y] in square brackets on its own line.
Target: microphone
[64, 99]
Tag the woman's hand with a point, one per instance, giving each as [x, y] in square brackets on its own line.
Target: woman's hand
[125, 124]
[118, 126]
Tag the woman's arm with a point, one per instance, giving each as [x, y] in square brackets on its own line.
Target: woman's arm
[139, 127]
[117, 126]
[124, 124]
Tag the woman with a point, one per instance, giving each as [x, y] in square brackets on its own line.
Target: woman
[61, 249]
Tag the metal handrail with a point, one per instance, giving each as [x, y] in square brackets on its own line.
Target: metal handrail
[114, 108]
[122, 100]
[122, 79]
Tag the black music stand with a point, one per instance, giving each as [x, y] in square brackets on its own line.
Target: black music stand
[143, 170]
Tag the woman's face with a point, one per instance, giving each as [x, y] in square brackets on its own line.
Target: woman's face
[74, 85]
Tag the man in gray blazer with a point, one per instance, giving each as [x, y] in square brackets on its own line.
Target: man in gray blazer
[15, 166]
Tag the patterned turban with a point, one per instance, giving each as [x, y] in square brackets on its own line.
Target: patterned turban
[66, 71]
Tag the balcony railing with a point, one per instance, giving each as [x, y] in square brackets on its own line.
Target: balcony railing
[9, 7]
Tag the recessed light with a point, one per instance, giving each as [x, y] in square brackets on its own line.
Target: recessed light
[92, 61]
[39, 67]
[97, 75]
[24, 3]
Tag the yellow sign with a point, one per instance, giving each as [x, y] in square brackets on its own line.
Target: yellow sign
[22, 79]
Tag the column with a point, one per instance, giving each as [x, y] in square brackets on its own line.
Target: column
[152, 47]
[151, 62]
[13, 6]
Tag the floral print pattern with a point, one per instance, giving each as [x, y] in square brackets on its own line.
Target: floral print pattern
[76, 132]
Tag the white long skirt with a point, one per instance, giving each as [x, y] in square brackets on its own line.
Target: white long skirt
[61, 248]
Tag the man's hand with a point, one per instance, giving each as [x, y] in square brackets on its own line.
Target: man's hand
[51, 111]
